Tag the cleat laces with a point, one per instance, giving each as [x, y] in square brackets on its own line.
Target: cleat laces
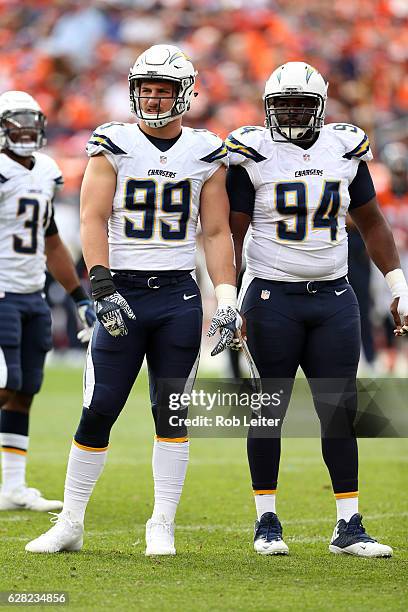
[356, 529]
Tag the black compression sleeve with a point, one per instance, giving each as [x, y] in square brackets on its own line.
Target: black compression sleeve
[101, 282]
[241, 191]
[361, 189]
[52, 228]
[79, 294]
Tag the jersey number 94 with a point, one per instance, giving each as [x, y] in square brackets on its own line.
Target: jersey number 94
[324, 217]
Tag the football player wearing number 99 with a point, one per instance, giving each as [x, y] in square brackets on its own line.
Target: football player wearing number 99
[293, 183]
[148, 182]
[29, 241]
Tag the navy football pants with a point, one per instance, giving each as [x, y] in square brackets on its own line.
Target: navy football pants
[25, 338]
[315, 326]
[167, 331]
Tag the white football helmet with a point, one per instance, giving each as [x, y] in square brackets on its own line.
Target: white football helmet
[295, 102]
[162, 63]
[22, 123]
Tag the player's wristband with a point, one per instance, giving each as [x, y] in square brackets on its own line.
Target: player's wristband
[397, 283]
[226, 295]
[101, 282]
[79, 294]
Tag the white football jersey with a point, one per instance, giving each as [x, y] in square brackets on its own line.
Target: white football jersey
[25, 213]
[157, 200]
[298, 229]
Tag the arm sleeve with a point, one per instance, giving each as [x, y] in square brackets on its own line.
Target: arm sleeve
[52, 228]
[241, 191]
[58, 183]
[361, 188]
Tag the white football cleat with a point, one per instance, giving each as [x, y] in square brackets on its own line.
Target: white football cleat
[159, 537]
[268, 536]
[351, 539]
[65, 535]
[26, 498]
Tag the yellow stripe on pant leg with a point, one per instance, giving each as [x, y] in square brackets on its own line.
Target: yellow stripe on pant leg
[160, 439]
[346, 495]
[90, 448]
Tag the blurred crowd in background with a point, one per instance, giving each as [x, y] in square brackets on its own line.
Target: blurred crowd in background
[74, 57]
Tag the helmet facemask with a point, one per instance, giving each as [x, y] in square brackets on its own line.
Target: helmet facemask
[182, 91]
[294, 117]
[22, 131]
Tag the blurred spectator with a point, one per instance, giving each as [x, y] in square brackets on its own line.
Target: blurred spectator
[359, 277]
[75, 34]
[393, 196]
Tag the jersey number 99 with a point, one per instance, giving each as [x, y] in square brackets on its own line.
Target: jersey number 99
[174, 198]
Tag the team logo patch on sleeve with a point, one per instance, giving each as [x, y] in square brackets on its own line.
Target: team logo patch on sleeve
[219, 153]
[106, 143]
[360, 150]
[235, 146]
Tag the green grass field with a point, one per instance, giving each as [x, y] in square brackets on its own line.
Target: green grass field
[215, 567]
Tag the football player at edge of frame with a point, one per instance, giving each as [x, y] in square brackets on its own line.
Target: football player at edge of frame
[30, 241]
[160, 177]
[293, 182]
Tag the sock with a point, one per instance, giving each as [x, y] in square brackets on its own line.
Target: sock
[85, 465]
[13, 466]
[265, 502]
[347, 505]
[14, 445]
[170, 460]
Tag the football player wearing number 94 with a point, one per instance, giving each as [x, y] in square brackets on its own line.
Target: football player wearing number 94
[294, 182]
[148, 182]
[30, 241]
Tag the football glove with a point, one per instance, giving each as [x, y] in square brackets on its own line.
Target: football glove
[402, 310]
[109, 312]
[87, 317]
[227, 319]
[86, 313]
[399, 307]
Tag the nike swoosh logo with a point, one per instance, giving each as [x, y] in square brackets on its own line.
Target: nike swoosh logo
[339, 292]
[188, 297]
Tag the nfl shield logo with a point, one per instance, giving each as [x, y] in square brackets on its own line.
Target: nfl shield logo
[163, 159]
[265, 294]
[306, 156]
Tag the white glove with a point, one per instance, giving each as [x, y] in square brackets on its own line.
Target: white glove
[87, 317]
